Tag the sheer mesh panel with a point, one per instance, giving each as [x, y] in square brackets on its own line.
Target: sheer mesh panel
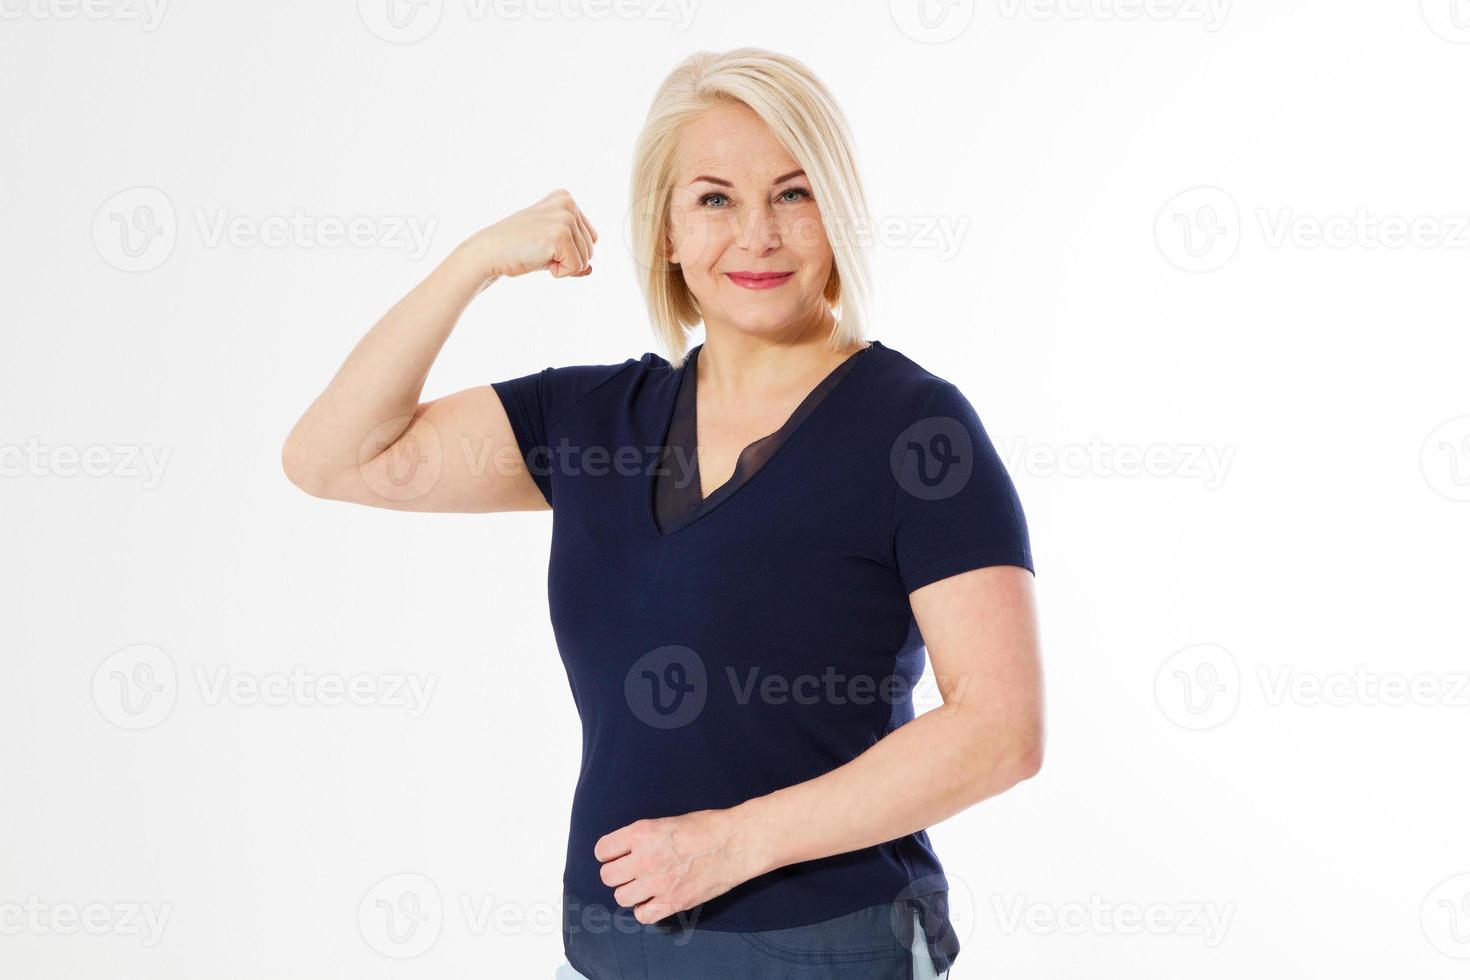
[677, 487]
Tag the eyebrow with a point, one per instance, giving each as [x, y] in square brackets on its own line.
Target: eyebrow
[725, 183]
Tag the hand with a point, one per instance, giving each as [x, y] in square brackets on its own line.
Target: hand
[551, 234]
[661, 866]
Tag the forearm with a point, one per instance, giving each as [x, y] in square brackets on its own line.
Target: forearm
[918, 775]
[377, 388]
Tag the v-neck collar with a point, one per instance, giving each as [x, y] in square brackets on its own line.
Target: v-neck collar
[685, 395]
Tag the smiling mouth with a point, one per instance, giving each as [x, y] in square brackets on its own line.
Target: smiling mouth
[759, 280]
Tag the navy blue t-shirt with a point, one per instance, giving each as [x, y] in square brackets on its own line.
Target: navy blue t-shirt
[763, 636]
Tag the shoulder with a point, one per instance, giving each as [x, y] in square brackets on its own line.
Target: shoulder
[554, 391]
[912, 392]
[582, 375]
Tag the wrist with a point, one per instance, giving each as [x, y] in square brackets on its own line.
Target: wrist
[753, 839]
[472, 259]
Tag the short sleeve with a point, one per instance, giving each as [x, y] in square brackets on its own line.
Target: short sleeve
[955, 507]
[534, 403]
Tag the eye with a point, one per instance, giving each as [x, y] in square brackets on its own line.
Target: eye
[704, 200]
[796, 190]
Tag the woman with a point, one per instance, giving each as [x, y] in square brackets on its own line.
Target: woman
[753, 543]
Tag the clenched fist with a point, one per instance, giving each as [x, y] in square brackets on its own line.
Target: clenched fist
[551, 234]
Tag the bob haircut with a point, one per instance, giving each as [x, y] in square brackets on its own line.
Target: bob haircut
[807, 121]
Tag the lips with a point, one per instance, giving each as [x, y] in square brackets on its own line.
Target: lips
[759, 280]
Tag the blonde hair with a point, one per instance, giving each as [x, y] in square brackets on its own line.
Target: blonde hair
[807, 121]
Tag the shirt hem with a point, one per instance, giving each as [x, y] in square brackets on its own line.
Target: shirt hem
[936, 882]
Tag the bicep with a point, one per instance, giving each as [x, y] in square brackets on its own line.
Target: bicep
[459, 454]
[980, 628]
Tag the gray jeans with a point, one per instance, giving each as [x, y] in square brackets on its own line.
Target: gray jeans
[858, 946]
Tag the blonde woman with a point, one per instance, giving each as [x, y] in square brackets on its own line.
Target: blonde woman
[754, 541]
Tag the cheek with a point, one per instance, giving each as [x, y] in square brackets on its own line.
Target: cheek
[807, 236]
[701, 238]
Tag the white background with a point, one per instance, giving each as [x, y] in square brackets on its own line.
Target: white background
[1174, 230]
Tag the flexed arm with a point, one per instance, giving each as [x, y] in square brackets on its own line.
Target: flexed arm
[366, 438]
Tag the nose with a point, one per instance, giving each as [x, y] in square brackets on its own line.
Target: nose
[757, 229]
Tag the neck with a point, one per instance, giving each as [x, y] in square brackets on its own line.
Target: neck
[735, 364]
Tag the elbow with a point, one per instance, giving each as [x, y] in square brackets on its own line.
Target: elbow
[1003, 760]
[1019, 761]
[1028, 747]
[1028, 759]
[1004, 755]
[296, 464]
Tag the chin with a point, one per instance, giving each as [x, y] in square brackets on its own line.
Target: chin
[764, 323]
[757, 315]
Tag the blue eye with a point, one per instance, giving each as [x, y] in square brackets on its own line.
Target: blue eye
[704, 200]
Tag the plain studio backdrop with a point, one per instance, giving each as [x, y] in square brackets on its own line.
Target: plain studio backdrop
[1200, 266]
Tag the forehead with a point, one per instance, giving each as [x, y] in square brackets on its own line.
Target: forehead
[730, 141]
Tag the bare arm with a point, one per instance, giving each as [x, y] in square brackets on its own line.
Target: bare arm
[980, 628]
[367, 439]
